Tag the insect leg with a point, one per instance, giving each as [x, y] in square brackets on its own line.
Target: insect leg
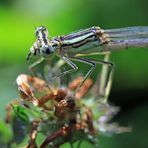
[71, 64]
[35, 64]
[93, 63]
[104, 82]
[86, 61]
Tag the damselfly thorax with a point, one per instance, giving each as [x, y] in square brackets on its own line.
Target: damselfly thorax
[81, 42]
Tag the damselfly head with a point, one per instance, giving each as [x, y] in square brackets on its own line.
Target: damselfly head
[42, 30]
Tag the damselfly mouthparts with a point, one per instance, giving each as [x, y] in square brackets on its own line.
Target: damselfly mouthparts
[85, 42]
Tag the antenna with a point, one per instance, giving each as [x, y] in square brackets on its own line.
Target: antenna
[34, 26]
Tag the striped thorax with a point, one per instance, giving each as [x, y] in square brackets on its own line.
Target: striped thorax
[81, 42]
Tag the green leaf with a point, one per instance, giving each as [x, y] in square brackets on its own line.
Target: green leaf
[25, 114]
[5, 133]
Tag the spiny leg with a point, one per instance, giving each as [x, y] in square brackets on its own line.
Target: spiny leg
[93, 63]
[86, 61]
[53, 70]
[74, 68]
[35, 64]
[105, 81]
[71, 64]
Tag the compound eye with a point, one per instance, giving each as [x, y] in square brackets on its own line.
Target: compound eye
[47, 49]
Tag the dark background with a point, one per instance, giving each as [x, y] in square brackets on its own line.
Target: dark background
[130, 86]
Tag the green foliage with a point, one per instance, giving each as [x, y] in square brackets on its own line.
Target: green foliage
[25, 114]
[5, 133]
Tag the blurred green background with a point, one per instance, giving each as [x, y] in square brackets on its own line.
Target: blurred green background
[130, 86]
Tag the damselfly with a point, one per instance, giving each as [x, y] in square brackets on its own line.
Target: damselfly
[85, 42]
